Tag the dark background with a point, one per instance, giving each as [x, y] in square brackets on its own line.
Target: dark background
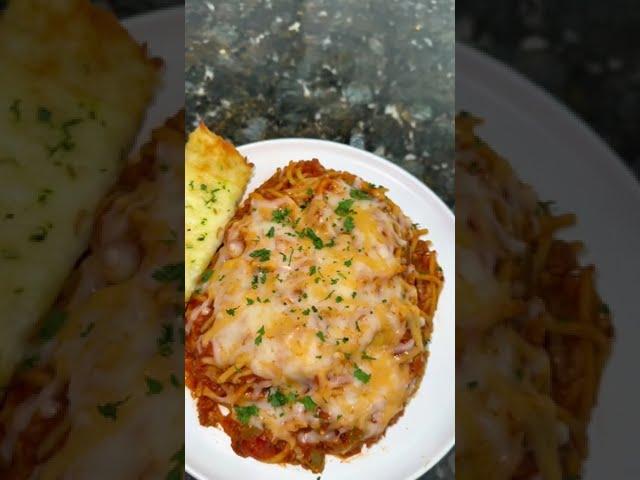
[585, 52]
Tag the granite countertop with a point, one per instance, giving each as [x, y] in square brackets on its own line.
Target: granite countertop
[375, 75]
[581, 52]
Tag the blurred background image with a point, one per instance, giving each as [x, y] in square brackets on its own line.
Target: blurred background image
[582, 52]
[546, 229]
[91, 250]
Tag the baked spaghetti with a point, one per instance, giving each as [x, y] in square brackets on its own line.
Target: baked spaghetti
[532, 334]
[308, 333]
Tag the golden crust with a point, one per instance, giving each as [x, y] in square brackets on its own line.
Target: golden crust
[216, 176]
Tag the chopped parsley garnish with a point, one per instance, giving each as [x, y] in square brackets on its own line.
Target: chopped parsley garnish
[292, 397]
[317, 241]
[353, 294]
[165, 340]
[231, 311]
[348, 224]
[29, 362]
[206, 276]
[271, 232]
[87, 330]
[14, 108]
[312, 270]
[110, 409]
[329, 296]
[277, 399]
[348, 263]
[40, 233]
[245, 413]
[250, 301]
[361, 375]
[280, 215]
[260, 333]
[367, 357]
[263, 254]
[44, 115]
[320, 335]
[357, 324]
[306, 311]
[212, 195]
[44, 195]
[309, 404]
[339, 299]
[260, 277]
[153, 386]
[359, 194]
[52, 324]
[344, 207]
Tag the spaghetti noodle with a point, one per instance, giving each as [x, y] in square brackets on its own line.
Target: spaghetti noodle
[533, 336]
[307, 335]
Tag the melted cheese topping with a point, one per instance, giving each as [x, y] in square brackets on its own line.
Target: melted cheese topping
[321, 318]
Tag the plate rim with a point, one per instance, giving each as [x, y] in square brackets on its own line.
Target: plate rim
[139, 20]
[396, 170]
[349, 148]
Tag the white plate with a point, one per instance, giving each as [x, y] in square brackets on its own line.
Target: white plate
[426, 430]
[565, 161]
[163, 32]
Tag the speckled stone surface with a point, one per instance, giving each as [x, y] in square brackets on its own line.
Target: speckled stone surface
[585, 53]
[372, 74]
[376, 75]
